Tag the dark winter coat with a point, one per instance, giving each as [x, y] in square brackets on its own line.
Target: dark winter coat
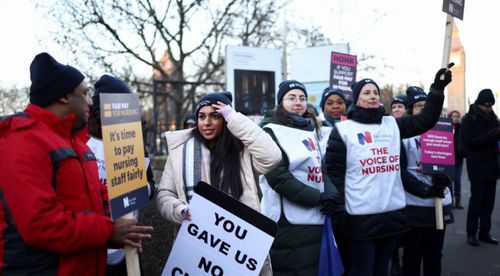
[480, 135]
[368, 227]
[296, 248]
[457, 141]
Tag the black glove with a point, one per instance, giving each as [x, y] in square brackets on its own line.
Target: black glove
[332, 209]
[439, 183]
[439, 83]
[326, 197]
[440, 180]
[435, 191]
[330, 203]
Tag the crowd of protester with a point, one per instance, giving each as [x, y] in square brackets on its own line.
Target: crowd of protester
[357, 165]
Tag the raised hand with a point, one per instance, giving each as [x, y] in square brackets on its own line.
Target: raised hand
[442, 79]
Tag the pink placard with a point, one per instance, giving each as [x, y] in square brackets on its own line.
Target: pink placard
[438, 152]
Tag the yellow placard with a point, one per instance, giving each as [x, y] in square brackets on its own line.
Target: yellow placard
[124, 154]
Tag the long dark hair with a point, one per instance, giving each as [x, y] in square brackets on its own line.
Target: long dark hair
[225, 159]
[282, 117]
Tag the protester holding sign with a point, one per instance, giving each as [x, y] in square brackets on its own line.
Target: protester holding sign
[53, 215]
[225, 149]
[109, 84]
[480, 137]
[424, 243]
[294, 191]
[363, 161]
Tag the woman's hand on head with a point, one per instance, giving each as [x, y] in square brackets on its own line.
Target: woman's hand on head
[218, 105]
[223, 109]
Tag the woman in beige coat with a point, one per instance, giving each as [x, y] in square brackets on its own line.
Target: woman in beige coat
[223, 141]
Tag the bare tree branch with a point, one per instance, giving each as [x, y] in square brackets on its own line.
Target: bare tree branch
[180, 40]
[13, 100]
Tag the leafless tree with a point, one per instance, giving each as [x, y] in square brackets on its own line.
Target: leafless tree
[178, 40]
[172, 40]
[13, 100]
[386, 95]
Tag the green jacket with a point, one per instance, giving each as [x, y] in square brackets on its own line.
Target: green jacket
[296, 248]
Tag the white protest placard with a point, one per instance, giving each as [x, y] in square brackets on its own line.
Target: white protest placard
[223, 237]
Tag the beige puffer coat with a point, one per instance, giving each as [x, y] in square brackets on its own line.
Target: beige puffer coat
[260, 156]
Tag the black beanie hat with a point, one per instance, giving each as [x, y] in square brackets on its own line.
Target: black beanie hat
[51, 80]
[328, 92]
[190, 119]
[213, 98]
[108, 84]
[288, 85]
[357, 86]
[485, 98]
[399, 99]
[414, 94]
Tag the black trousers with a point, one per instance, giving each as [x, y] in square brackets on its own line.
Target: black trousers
[423, 245]
[372, 257]
[481, 203]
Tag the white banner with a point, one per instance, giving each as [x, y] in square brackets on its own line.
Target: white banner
[224, 237]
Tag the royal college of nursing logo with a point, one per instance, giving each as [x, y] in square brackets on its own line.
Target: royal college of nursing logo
[365, 138]
[129, 202]
[126, 202]
[309, 143]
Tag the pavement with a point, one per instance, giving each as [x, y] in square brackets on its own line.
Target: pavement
[461, 259]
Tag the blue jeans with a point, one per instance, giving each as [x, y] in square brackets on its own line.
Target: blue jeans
[372, 257]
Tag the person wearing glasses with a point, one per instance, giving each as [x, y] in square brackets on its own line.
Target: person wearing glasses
[296, 194]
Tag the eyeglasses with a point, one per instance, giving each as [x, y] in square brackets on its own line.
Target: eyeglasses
[419, 105]
[293, 98]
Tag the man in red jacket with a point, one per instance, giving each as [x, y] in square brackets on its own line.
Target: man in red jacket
[52, 207]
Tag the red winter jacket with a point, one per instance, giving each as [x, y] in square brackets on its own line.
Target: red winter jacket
[52, 218]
